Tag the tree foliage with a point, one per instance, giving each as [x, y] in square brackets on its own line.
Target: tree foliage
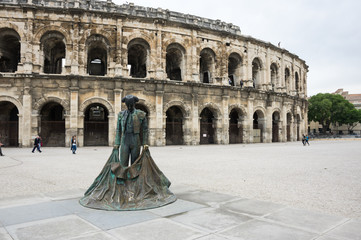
[329, 109]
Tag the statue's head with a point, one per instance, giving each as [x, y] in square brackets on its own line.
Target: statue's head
[130, 101]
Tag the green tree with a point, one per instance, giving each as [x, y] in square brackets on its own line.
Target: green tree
[329, 109]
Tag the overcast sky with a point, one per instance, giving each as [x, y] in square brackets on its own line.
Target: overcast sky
[324, 33]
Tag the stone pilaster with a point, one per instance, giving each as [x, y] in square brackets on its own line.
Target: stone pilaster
[25, 119]
[72, 117]
[160, 130]
[248, 122]
[225, 120]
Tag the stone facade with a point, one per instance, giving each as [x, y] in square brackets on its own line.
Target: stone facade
[65, 66]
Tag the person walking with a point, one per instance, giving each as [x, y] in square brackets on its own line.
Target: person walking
[73, 144]
[1, 153]
[37, 144]
[307, 140]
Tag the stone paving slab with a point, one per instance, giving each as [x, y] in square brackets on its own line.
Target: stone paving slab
[260, 230]
[351, 230]
[311, 221]
[29, 213]
[158, 229]
[196, 214]
[252, 207]
[59, 228]
[211, 219]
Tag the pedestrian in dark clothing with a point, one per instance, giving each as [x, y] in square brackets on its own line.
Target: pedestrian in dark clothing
[73, 144]
[1, 153]
[37, 144]
[307, 140]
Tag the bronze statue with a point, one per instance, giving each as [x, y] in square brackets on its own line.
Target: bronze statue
[139, 186]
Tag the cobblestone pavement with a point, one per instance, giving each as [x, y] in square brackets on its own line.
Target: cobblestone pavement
[256, 191]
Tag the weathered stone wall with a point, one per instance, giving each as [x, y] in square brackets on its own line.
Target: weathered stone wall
[82, 26]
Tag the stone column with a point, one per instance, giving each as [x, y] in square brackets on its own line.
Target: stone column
[267, 72]
[118, 50]
[268, 125]
[72, 129]
[249, 83]
[195, 120]
[225, 120]
[25, 119]
[248, 122]
[194, 59]
[160, 130]
[159, 68]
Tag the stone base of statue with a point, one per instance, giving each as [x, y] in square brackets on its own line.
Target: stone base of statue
[139, 186]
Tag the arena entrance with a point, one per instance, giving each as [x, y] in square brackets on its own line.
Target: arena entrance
[289, 119]
[96, 125]
[235, 131]
[257, 127]
[275, 126]
[174, 126]
[207, 131]
[52, 125]
[9, 124]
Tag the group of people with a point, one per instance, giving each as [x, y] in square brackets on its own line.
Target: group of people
[38, 143]
[305, 139]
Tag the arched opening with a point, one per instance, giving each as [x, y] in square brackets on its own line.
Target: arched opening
[175, 61]
[52, 125]
[287, 79]
[274, 76]
[9, 50]
[289, 119]
[256, 72]
[298, 127]
[206, 65]
[174, 126]
[234, 68]
[9, 124]
[235, 129]
[140, 106]
[53, 46]
[297, 82]
[258, 125]
[275, 126]
[207, 129]
[97, 55]
[138, 50]
[96, 125]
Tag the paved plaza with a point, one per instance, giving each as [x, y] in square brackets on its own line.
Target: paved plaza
[255, 191]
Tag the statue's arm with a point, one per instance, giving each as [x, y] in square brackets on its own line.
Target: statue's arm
[118, 133]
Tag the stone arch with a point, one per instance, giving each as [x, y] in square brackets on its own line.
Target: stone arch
[42, 31]
[234, 64]
[90, 32]
[175, 61]
[53, 49]
[97, 52]
[10, 50]
[138, 58]
[150, 107]
[236, 116]
[44, 100]
[14, 27]
[14, 101]
[241, 109]
[287, 79]
[259, 124]
[207, 61]
[297, 82]
[274, 71]
[276, 128]
[93, 100]
[138, 35]
[257, 69]
[183, 107]
[216, 110]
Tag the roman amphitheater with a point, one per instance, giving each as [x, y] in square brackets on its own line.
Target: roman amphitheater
[65, 66]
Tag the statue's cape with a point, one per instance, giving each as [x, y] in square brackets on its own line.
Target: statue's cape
[139, 186]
